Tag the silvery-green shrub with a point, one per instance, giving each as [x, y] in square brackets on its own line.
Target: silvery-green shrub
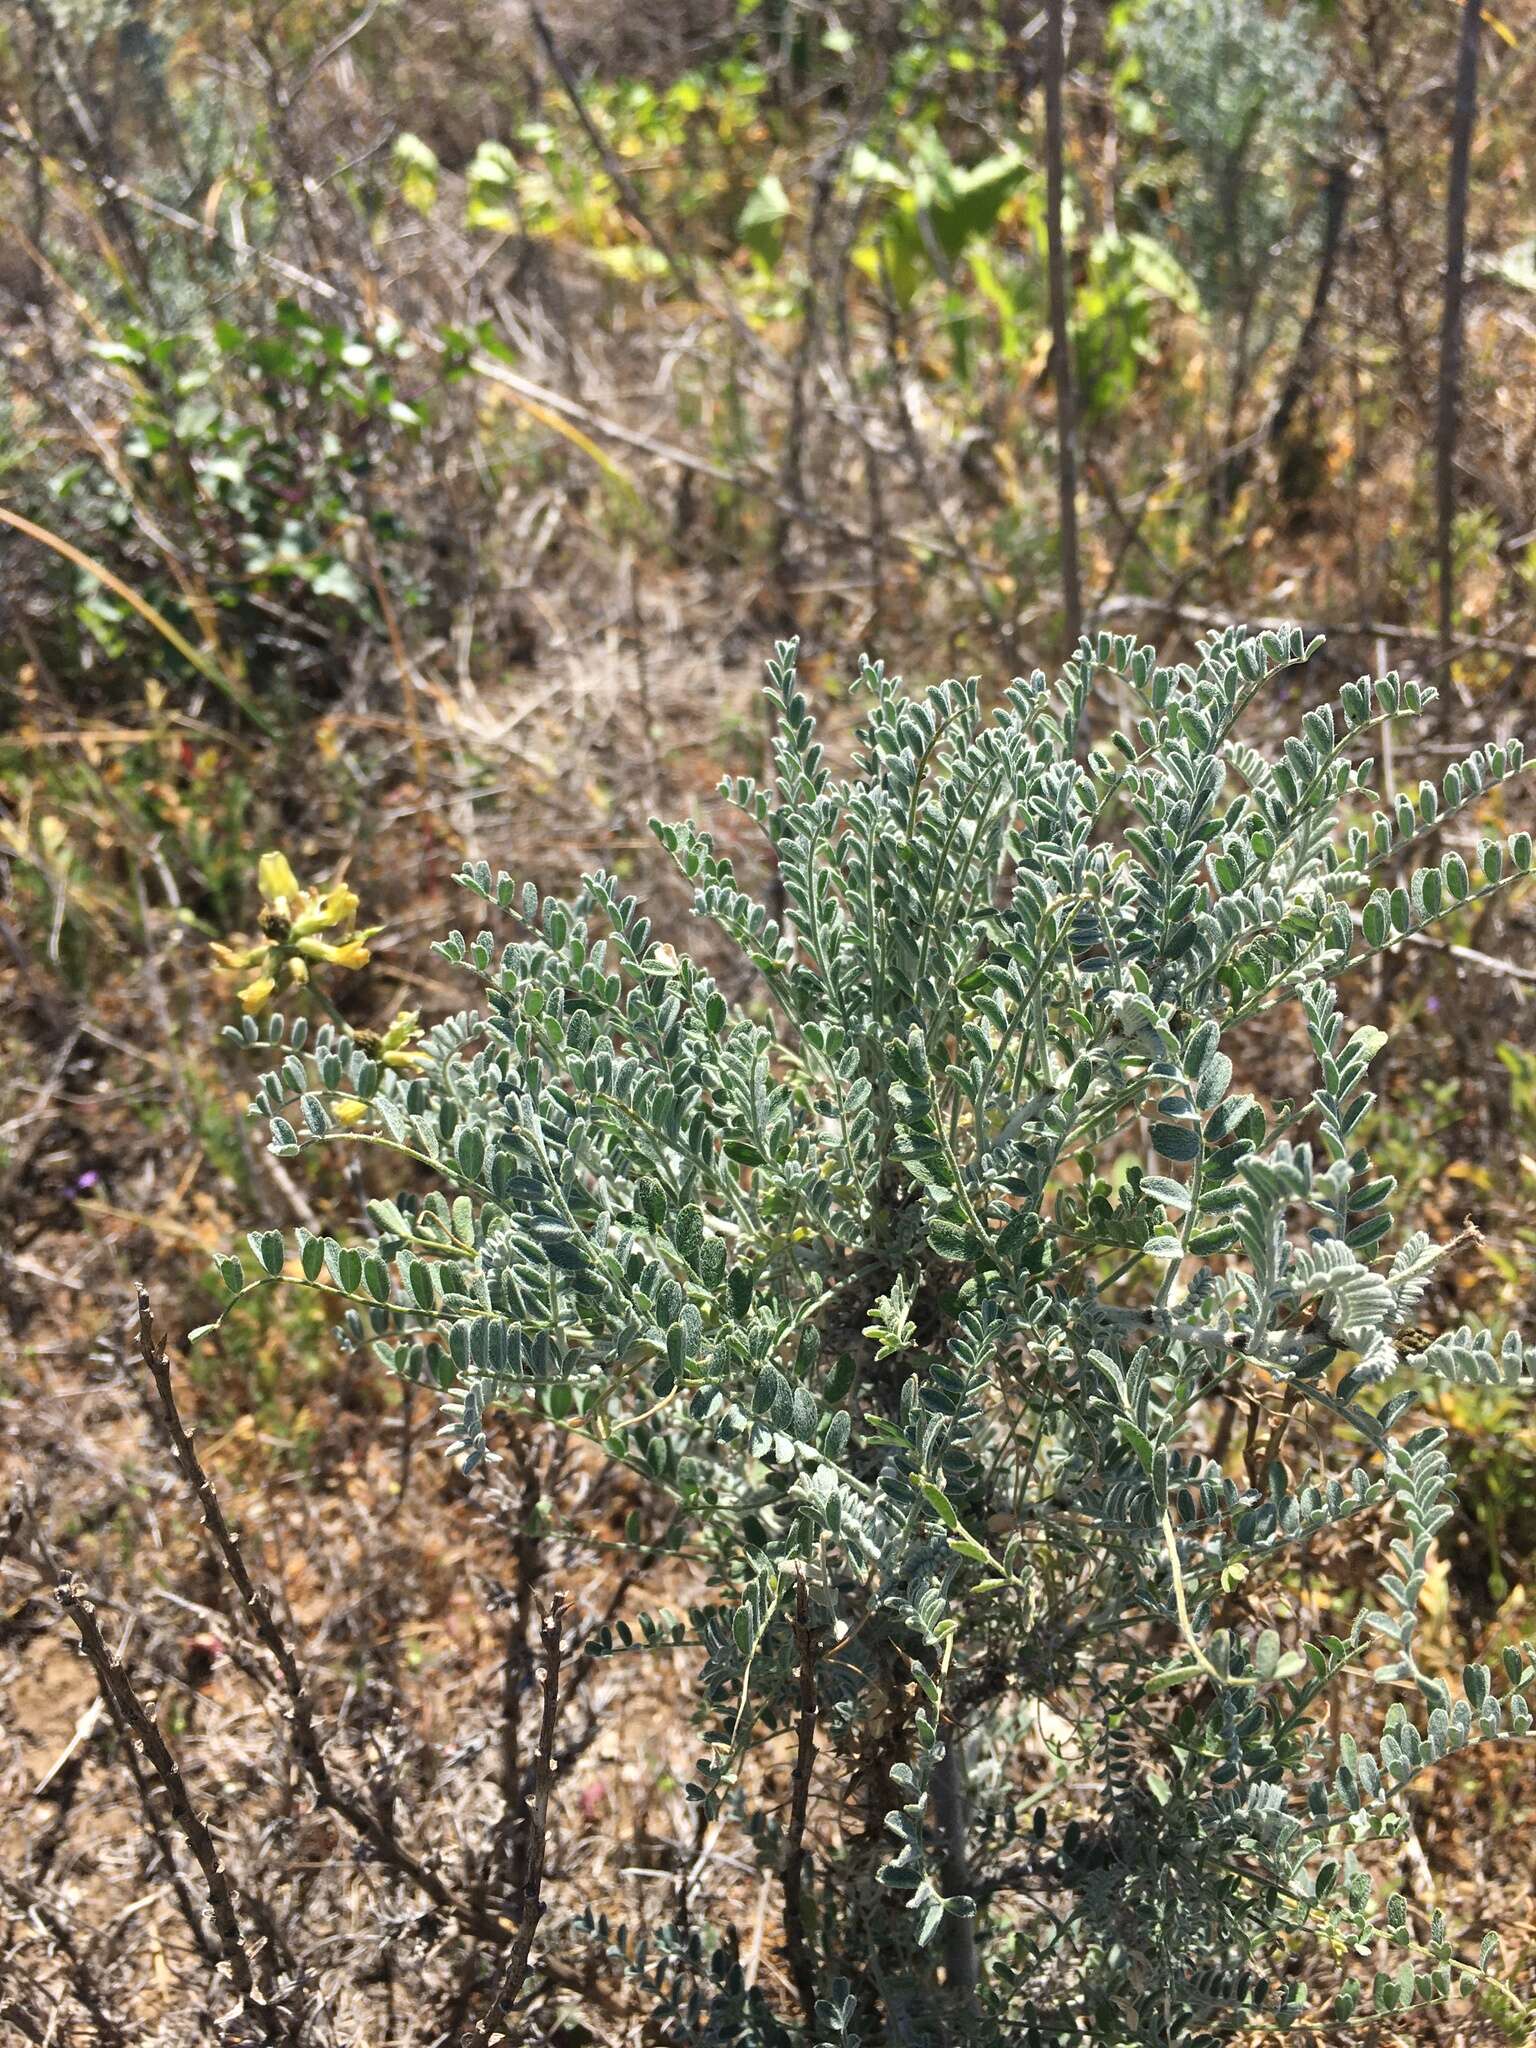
[1246, 93]
[917, 1254]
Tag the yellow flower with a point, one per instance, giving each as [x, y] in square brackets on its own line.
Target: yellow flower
[351, 952]
[238, 958]
[278, 884]
[256, 992]
[396, 1046]
[350, 1112]
[336, 906]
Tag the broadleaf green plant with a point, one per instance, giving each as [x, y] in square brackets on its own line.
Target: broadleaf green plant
[270, 454]
[915, 1259]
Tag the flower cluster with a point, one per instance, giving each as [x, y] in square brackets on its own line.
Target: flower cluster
[293, 924]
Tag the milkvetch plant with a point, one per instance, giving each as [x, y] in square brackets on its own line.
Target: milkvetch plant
[1247, 95]
[918, 1260]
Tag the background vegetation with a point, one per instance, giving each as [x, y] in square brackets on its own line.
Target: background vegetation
[415, 424]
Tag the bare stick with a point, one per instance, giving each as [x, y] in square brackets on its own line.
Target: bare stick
[1238, 465]
[508, 1858]
[1061, 340]
[1304, 362]
[47, 1558]
[1470, 957]
[118, 1690]
[257, 1602]
[961, 1967]
[530, 1903]
[791, 485]
[1450, 323]
[794, 1842]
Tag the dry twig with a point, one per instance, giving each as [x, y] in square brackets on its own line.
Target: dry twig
[793, 1876]
[530, 1903]
[257, 1602]
[117, 1689]
[1451, 322]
